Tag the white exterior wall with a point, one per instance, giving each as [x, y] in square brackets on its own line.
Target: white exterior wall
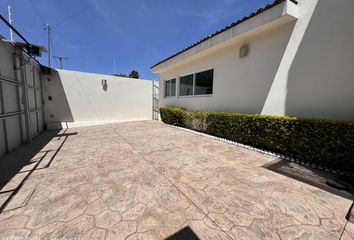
[316, 77]
[81, 98]
[303, 69]
[240, 84]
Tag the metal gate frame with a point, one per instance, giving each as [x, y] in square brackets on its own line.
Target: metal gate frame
[155, 101]
[20, 62]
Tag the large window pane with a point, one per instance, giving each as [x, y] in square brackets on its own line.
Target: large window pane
[173, 87]
[204, 82]
[170, 88]
[186, 85]
[167, 88]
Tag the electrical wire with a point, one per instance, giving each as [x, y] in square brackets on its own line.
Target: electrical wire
[56, 40]
[51, 38]
[39, 15]
[52, 45]
[5, 10]
[14, 22]
[18, 25]
[75, 14]
[37, 12]
[13, 29]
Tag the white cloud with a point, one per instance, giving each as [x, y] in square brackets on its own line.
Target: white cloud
[214, 13]
[105, 13]
[74, 46]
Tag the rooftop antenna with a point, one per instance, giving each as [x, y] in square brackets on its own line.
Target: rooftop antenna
[48, 28]
[60, 60]
[114, 65]
[10, 21]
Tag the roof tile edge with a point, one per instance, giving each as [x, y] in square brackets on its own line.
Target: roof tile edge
[253, 14]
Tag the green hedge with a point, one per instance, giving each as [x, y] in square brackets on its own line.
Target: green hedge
[327, 143]
[174, 116]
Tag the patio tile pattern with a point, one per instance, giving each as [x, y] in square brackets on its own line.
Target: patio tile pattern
[146, 180]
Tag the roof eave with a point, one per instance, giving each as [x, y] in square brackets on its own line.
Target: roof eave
[284, 11]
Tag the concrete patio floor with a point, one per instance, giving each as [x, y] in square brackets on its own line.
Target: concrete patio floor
[145, 180]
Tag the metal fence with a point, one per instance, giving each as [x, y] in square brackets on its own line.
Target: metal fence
[21, 102]
[155, 100]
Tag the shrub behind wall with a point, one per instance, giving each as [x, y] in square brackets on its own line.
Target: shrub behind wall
[324, 142]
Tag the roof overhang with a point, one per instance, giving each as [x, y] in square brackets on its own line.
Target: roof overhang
[280, 14]
[31, 49]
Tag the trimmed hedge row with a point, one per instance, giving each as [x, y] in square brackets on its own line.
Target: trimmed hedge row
[327, 143]
[174, 116]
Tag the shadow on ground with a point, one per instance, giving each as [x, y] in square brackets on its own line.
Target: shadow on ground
[184, 234]
[311, 176]
[17, 166]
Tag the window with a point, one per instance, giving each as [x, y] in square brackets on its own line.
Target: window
[186, 85]
[204, 82]
[170, 88]
[196, 84]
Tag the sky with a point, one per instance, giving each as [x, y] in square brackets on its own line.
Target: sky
[138, 33]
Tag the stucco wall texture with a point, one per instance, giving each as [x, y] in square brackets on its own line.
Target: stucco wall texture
[302, 67]
[86, 97]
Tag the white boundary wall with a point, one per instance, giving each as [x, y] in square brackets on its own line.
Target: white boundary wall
[82, 99]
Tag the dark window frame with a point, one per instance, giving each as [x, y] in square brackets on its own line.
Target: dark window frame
[194, 84]
[212, 82]
[179, 85]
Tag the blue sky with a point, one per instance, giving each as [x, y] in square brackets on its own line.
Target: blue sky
[139, 33]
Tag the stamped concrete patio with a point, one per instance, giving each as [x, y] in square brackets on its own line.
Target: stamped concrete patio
[145, 180]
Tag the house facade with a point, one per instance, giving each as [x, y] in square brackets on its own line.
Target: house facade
[291, 58]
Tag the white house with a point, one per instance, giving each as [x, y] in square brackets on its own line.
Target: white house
[291, 58]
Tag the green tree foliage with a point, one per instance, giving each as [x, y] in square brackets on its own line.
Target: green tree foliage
[134, 74]
[120, 75]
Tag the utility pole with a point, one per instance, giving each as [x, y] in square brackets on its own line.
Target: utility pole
[48, 28]
[60, 60]
[10, 21]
